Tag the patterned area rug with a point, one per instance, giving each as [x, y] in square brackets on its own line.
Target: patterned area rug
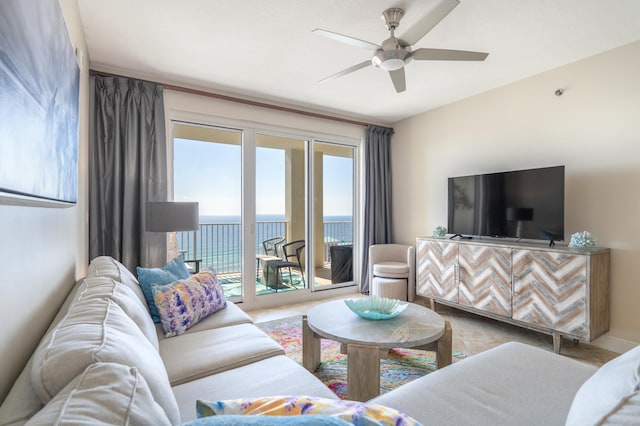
[231, 284]
[402, 365]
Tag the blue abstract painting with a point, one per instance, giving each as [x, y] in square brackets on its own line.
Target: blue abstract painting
[39, 95]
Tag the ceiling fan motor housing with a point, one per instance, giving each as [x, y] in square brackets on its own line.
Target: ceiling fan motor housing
[393, 55]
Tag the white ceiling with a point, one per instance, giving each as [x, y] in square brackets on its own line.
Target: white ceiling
[265, 50]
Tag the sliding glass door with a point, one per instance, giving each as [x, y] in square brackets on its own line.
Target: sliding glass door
[276, 211]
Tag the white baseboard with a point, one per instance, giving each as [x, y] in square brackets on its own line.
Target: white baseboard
[614, 344]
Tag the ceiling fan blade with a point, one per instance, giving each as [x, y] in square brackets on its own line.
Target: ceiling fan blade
[346, 39]
[398, 80]
[426, 24]
[447, 55]
[347, 71]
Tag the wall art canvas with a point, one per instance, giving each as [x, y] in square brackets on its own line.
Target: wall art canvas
[39, 96]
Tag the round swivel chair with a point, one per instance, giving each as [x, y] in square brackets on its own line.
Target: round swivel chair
[392, 271]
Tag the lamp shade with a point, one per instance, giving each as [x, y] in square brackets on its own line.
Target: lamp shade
[169, 216]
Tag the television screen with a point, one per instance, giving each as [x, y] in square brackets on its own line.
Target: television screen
[518, 204]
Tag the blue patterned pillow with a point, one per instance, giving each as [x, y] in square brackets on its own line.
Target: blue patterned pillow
[172, 271]
[183, 303]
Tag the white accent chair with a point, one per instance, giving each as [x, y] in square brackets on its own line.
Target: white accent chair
[392, 271]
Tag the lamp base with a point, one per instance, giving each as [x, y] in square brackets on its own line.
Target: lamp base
[172, 246]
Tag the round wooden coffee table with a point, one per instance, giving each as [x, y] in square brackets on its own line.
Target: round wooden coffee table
[366, 341]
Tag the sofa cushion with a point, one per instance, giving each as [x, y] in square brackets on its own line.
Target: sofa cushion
[105, 393]
[98, 330]
[22, 402]
[195, 355]
[183, 303]
[101, 287]
[501, 386]
[611, 395]
[107, 266]
[278, 375]
[357, 413]
[174, 270]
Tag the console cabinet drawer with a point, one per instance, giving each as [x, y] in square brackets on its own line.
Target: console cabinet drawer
[485, 278]
[437, 264]
[550, 290]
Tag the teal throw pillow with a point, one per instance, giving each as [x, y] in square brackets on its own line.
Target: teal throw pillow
[174, 270]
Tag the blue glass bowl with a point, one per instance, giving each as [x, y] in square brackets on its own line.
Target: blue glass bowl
[376, 308]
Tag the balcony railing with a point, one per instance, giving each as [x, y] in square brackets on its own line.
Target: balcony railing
[219, 244]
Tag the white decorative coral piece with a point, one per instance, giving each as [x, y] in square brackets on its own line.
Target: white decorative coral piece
[439, 231]
[582, 239]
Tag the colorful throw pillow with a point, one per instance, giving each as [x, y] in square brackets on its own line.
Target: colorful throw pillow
[183, 303]
[239, 420]
[356, 413]
[172, 271]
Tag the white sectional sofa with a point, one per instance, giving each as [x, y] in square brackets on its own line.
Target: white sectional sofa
[105, 321]
[104, 361]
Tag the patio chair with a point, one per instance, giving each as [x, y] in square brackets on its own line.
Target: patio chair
[272, 249]
[272, 246]
[292, 253]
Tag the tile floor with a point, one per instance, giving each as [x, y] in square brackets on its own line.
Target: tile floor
[472, 334]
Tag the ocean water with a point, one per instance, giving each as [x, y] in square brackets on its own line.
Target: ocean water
[265, 218]
[218, 242]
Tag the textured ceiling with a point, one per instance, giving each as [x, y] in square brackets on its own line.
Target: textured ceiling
[265, 50]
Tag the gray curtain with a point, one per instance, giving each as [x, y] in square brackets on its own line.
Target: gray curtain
[377, 201]
[127, 168]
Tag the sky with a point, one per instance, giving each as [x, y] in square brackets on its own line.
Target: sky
[211, 173]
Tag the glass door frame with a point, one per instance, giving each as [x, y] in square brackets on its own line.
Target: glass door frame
[249, 130]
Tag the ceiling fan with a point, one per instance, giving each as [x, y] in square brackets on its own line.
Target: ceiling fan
[395, 53]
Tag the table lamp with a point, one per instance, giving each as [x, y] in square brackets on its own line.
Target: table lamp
[171, 216]
[519, 215]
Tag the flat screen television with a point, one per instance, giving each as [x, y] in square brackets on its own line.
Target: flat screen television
[526, 204]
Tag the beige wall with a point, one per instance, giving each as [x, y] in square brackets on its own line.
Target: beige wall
[593, 129]
[43, 250]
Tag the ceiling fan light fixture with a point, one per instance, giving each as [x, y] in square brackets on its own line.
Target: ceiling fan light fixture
[390, 64]
[390, 60]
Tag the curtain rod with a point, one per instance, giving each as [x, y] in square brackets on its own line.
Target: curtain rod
[240, 100]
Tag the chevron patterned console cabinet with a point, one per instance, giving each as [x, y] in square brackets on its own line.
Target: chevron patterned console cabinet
[554, 290]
